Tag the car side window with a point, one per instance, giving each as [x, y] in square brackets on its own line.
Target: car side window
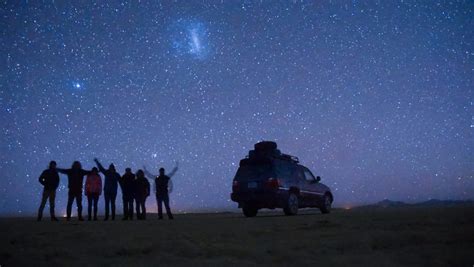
[309, 176]
[299, 174]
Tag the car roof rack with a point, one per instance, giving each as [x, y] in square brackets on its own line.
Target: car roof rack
[290, 157]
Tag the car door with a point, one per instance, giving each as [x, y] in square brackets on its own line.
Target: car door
[313, 188]
[302, 185]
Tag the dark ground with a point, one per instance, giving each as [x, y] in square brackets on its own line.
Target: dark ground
[398, 236]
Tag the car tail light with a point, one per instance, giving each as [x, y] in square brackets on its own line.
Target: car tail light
[235, 186]
[273, 183]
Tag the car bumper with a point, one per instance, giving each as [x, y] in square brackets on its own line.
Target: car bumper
[261, 199]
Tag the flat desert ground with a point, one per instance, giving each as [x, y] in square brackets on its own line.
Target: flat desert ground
[397, 236]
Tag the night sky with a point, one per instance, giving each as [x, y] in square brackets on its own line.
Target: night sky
[375, 97]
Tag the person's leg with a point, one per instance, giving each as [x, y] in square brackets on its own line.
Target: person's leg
[114, 196]
[125, 208]
[137, 208]
[130, 208]
[160, 207]
[52, 201]
[107, 204]
[96, 200]
[89, 207]
[44, 198]
[166, 199]
[79, 205]
[70, 199]
[143, 214]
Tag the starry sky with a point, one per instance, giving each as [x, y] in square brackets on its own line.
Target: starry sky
[376, 97]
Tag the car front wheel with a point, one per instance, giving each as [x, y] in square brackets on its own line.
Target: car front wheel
[291, 207]
[327, 201]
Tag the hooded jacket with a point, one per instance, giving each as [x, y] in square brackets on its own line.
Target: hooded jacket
[142, 188]
[93, 184]
[75, 178]
[127, 184]
[111, 180]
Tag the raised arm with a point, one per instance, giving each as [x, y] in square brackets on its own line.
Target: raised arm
[173, 172]
[101, 168]
[170, 186]
[148, 174]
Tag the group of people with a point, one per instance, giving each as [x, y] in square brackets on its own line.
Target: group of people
[135, 188]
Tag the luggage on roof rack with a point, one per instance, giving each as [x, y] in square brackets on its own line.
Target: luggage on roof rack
[265, 146]
[268, 150]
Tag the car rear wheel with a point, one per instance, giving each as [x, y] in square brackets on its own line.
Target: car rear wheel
[291, 207]
[249, 210]
[327, 201]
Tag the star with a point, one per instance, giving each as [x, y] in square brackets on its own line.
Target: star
[77, 85]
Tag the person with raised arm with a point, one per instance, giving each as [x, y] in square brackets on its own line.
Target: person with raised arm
[162, 189]
[75, 177]
[49, 178]
[111, 180]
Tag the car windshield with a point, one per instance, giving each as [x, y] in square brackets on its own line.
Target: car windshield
[254, 172]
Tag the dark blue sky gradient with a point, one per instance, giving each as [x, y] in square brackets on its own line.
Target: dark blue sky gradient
[376, 97]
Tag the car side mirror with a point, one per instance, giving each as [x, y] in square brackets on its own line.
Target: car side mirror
[318, 179]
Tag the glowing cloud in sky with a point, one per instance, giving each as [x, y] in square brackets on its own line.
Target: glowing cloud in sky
[190, 37]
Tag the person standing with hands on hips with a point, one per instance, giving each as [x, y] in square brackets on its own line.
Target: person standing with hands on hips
[49, 178]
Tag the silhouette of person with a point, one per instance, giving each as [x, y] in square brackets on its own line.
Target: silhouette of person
[93, 191]
[111, 180]
[142, 191]
[75, 177]
[49, 178]
[162, 190]
[127, 184]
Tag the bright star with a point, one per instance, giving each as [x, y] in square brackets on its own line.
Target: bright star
[77, 85]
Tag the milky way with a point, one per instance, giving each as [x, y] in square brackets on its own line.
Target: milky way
[376, 98]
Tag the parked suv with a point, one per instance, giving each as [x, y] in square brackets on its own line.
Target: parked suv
[266, 178]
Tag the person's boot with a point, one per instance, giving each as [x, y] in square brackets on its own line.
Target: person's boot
[95, 218]
[53, 216]
[80, 218]
[89, 218]
[38, 219]
[68, 219]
